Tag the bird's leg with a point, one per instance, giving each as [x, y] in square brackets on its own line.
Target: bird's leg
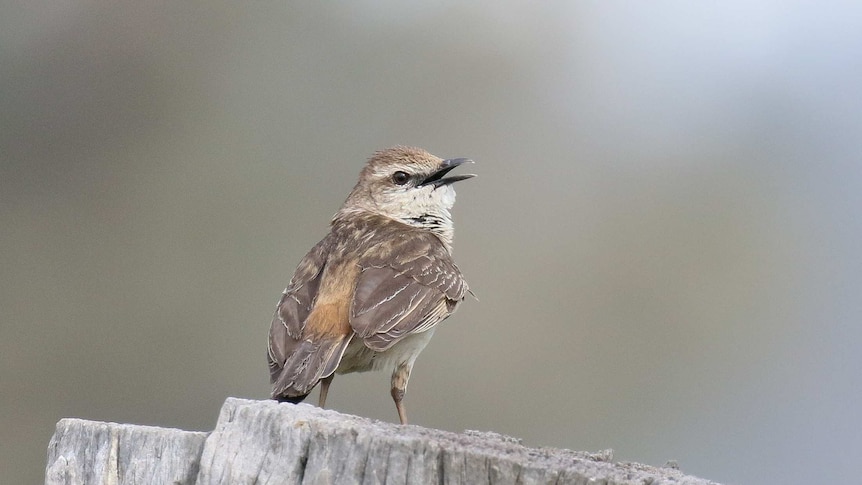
[324, 389]
[400, 376]
[397, 396]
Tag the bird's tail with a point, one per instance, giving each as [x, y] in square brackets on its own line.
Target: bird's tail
[292, 400]
[307, 362]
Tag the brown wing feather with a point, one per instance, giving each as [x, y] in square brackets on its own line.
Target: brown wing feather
[298, 298]
[408, 288]
[309, 331]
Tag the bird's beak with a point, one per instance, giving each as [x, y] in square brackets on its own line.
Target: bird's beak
[438, 178]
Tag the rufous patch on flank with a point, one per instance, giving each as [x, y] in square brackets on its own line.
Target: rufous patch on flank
[330, 316]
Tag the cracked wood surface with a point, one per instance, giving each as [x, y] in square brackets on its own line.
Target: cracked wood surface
[267, 442]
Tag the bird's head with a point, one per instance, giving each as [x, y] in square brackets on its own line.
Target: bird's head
[407, 184]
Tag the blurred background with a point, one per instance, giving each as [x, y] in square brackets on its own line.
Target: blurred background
[664, 235]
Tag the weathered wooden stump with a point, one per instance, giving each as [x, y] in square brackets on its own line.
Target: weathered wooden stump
[267, 442]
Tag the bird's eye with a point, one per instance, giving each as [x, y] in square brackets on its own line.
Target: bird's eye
[400, 178]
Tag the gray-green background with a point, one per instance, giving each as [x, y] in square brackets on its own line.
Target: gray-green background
[664, 235]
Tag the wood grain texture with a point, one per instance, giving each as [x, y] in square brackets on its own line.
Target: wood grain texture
[90, 452]
[269, 442]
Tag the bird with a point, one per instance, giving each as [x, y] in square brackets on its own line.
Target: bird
[370, 294]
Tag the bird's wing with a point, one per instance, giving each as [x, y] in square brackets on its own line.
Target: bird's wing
[404, 288]
[289, 353]
[298, 298]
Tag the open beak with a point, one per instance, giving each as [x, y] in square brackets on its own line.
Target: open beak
[438, 178]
